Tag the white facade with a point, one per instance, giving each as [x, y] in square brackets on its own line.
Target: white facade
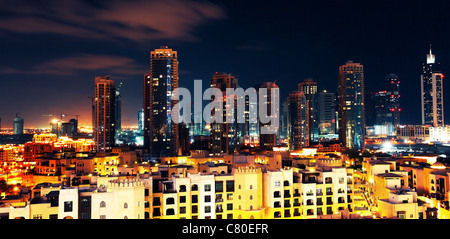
[123, 199]
[68, 203]
[206, 187]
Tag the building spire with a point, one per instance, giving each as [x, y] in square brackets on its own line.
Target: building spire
[430, 57]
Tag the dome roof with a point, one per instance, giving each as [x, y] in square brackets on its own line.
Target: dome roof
[438, 165]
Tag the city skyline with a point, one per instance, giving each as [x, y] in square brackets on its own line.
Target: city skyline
[384, 47]
[224, 109]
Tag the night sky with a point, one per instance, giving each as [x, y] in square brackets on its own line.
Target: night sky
[52, 50]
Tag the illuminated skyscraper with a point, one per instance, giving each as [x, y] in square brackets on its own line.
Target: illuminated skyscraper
[309, 88]
[224, 136]
[351, 105]
[160, 133]
[392, 87]
[140, 115]
[18, 125]
[118, 119]
[297, 120]
[327, 113]
[104, 116]
[269, 140]
[432, 96]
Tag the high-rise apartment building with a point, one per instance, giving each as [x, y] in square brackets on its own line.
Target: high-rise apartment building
[160, 132]
[140, 117]
[297, 120]
[18, 125]
[432, 96]
[104, 113]
[351, 105]
[309, 88]
[269, 140]
[118, 103]
[224, 136]
[327, 113]
[392, 87]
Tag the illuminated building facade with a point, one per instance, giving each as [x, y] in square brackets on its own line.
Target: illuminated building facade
[351, 105]
[104, 113]
[327, 113]
[18, 125]
[392, 109]
[160, 133]
[297, 120]
[224, 136]
[309, 88]
[432, 97]
[118, 111]
[269, 140]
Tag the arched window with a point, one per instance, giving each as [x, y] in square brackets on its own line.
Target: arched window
[126, 217]
[170, 212]
[251, 186]
[194, 187]
[103, 204]
[125, 205]
[170, 201]
[251, 197]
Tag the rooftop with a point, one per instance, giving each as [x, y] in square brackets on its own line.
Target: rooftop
[389, 175]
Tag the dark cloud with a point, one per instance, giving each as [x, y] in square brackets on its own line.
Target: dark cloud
[83, 62]
[138, 21]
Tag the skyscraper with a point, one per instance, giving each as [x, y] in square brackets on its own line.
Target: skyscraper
[18, 125]
[140, 115]
[309, 88]
[224, 136]
[118, 118]
[269, 140]
[250, 131]
[104, 113]
[432, 96]
[297, 120]
[327, 113]
[392, 87]
[160, 132]
[351, 105]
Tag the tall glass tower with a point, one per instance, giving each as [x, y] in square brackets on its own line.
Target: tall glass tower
[104, 113]
[309, 88]
[224, 136]
[297, 120]
[160, 133]
[432, 96]
[351, 105]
